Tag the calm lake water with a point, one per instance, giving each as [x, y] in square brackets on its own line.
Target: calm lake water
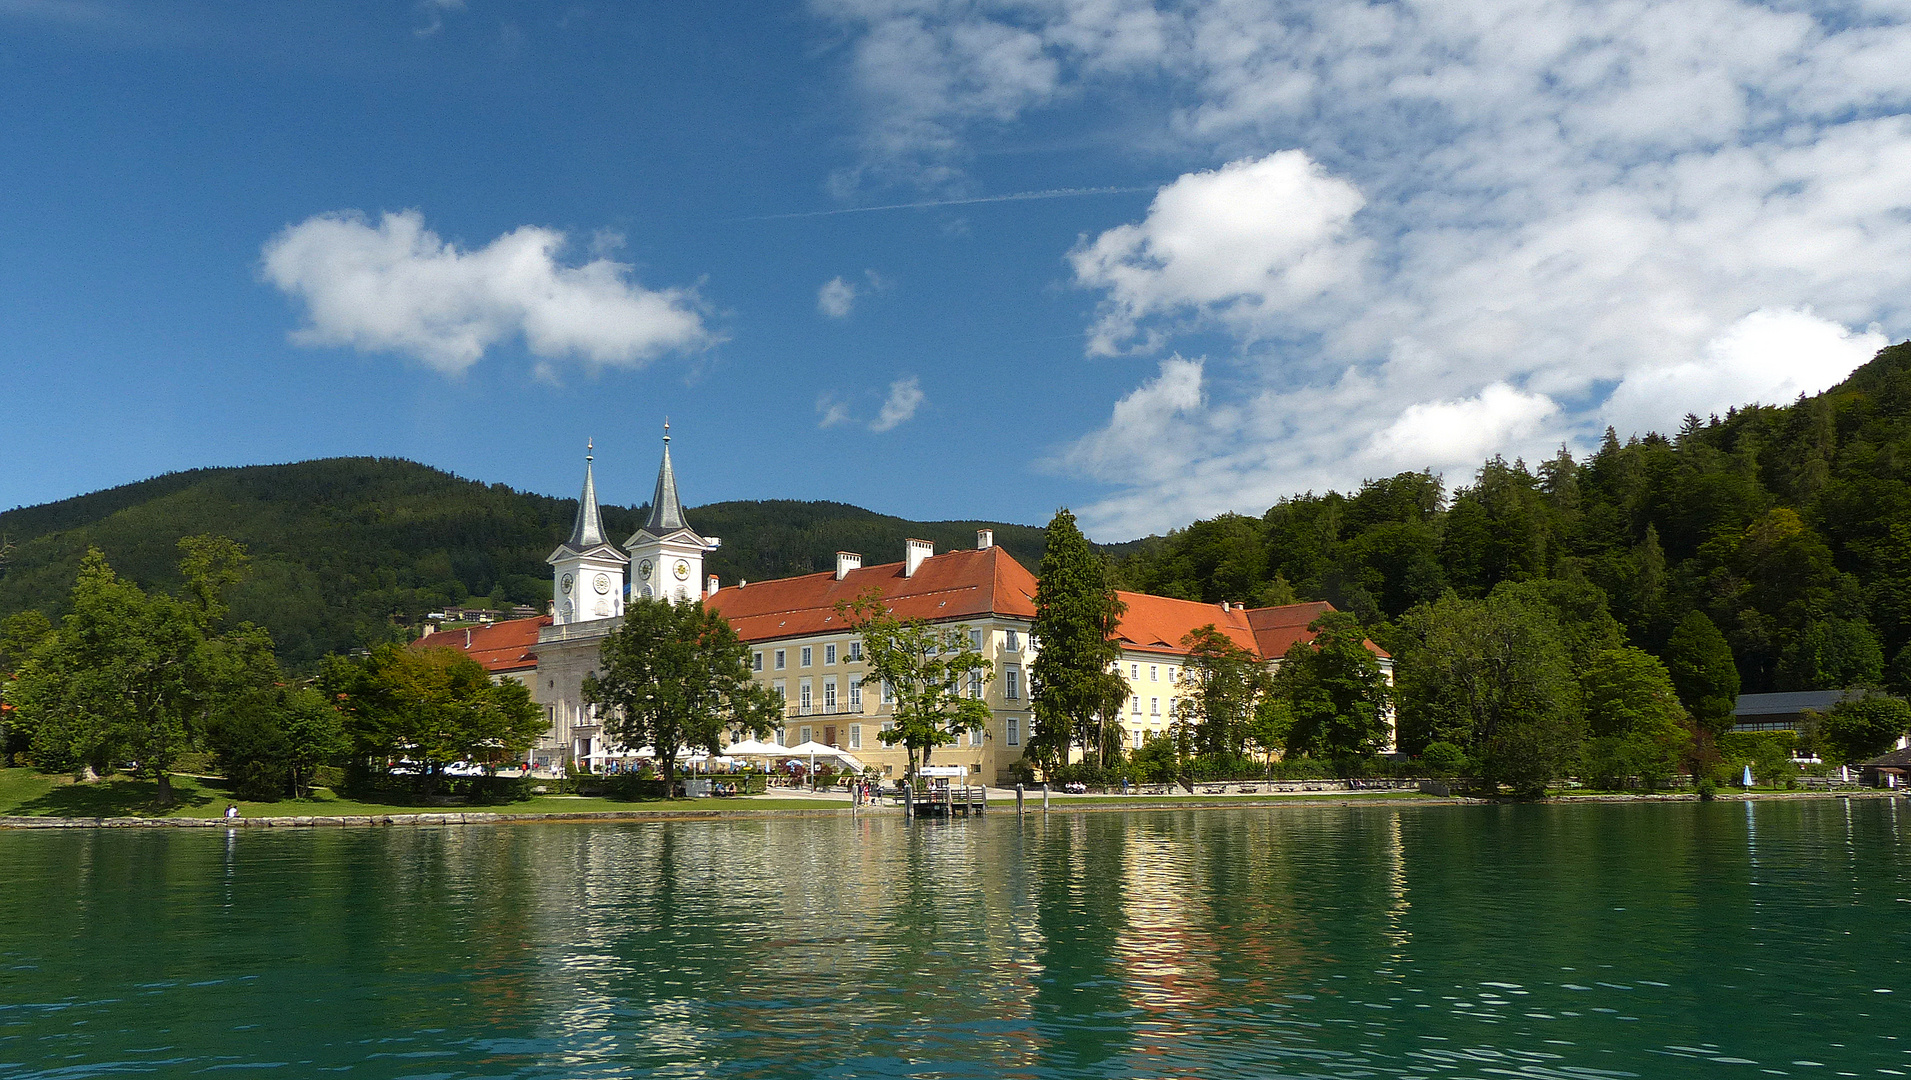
[1649, 940]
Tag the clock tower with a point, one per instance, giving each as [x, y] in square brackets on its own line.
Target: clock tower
[666, 554]
[587, 570]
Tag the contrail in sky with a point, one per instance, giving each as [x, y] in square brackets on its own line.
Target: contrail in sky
[1020, 196]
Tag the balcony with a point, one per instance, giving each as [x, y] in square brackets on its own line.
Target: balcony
[838, 709]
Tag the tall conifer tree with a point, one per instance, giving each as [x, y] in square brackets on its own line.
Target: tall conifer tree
[1076, 614]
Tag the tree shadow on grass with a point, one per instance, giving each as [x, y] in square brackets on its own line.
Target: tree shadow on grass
[116, 797]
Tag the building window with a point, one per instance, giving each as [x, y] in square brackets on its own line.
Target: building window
[975, 640]
[829, 695]
[805, 732]
[855, 693]
[1137, 738]
[1137, 704]
[782, 737]
[1013, 642]
[855, 736]
[756, 661]
[1154, 706]
[806, 656]
[829, 654]
[889, 725]
[1134, 672]
[1015, 732]
[781, 690]
[780, 665]
[855, 650]
[889, 693]
[1154, 673]
[1011, 683]
[803, 698]
[975, 684]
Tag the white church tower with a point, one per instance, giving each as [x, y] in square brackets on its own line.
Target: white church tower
[588, 570]
[666, 553]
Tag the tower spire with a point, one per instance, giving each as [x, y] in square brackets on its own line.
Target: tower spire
[666, 513]
[589, 530]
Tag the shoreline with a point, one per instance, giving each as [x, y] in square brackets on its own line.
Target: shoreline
[743, 813]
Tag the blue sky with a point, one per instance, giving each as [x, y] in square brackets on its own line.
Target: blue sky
[1275, 247]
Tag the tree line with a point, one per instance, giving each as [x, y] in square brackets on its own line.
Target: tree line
[146, 681]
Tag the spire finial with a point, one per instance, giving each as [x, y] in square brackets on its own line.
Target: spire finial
[589, 446]
[666, 429]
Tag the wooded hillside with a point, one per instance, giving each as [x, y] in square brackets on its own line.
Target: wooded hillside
[347, 550]
[1789, 526]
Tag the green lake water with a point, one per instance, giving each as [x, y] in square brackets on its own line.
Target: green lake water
[1653, 940]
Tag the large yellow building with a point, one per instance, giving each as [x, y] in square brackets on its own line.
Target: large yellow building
[801, 647]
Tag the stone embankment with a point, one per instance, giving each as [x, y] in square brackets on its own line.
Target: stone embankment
[1034, 806]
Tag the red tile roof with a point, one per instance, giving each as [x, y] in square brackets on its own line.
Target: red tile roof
[501, 647]
[953, 585]
[1159, 623]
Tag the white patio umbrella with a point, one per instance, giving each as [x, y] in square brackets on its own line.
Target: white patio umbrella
[752, 748]
[814, 750]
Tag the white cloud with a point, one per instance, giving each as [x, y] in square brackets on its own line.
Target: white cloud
[836, 299]
[1460, 434]
[396, 287]
[1768, 357]
[1149, 433]
[1250, 242]
[1437, 218]
[831, 412]
[905, 397]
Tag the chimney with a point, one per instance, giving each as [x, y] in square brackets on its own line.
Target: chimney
[913, 552]
[984, 539]
[712, 590]
[847, 561]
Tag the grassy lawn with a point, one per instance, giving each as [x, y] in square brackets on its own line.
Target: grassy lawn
[31, 793]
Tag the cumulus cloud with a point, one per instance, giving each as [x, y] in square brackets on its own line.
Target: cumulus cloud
[836, 299]
[396, 287]
[1250, 242]
[1768, 358]
[1446, 434]
[1436, 229]
[905, 397]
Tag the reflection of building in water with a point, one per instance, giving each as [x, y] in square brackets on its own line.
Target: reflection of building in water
[801, 648]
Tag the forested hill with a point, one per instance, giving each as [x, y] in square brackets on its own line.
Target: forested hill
[346, 549]
[1789, 526]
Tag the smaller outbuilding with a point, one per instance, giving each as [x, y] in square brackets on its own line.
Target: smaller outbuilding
[1887, 771]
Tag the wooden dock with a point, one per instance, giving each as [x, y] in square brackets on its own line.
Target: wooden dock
[948, 802]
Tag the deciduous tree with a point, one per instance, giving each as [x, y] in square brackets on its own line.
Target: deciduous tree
[1862, 727]
[677, 676]
[1217, 689]
[430, 708]
[1338, 696]
[928, 669]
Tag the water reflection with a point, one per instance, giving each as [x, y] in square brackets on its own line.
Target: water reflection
[1543, 941]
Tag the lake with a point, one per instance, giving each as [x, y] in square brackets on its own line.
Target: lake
[1627, 939]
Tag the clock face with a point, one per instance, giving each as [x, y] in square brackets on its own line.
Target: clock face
[602, 584]
[682, 569]
[566, 584]
[643, 569]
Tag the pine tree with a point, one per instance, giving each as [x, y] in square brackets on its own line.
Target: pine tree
[1071, 683]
